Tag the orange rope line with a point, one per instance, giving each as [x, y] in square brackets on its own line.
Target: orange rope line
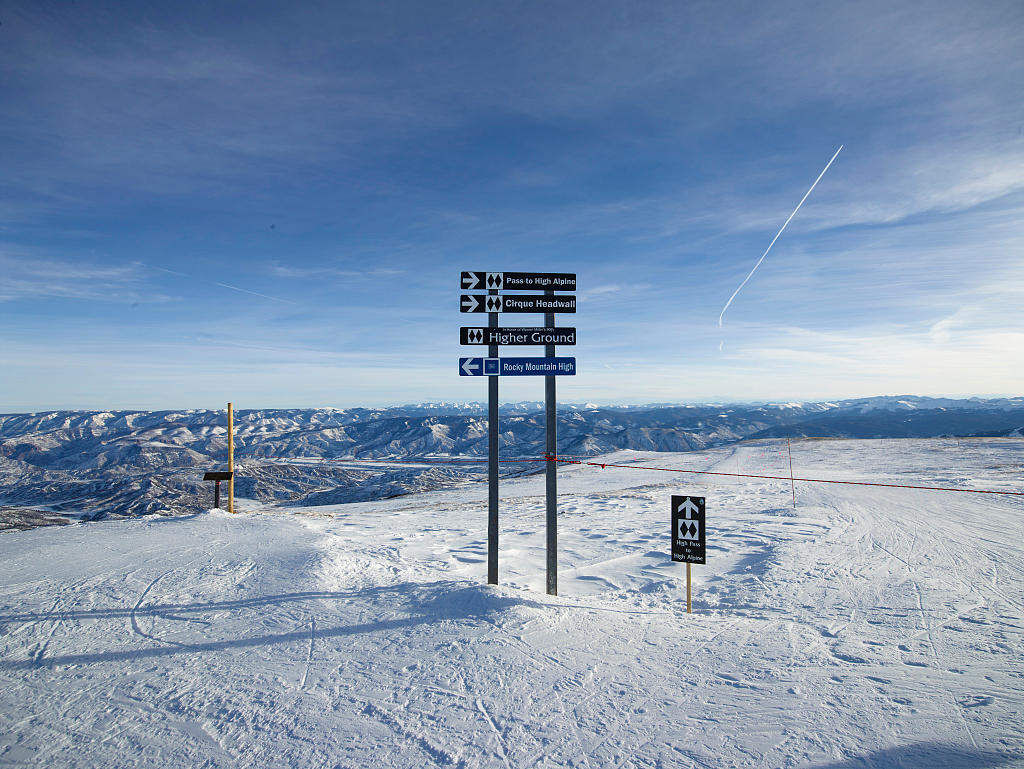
[603, 465]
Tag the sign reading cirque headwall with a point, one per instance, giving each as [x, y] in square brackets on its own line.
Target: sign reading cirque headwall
[517, 303]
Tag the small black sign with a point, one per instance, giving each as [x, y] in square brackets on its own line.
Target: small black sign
[521, 281]
[688, 529]
[520, 336]
[517, 303]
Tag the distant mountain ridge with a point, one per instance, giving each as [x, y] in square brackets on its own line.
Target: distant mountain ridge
[116, 463]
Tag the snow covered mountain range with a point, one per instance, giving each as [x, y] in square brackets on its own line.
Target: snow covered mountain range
[114, 464]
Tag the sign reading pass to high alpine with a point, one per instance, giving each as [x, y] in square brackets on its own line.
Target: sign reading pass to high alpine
[688, 529]
[524, 281]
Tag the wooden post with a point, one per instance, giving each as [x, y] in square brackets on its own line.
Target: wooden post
[792, 486]
[688, 605]
[231, 458]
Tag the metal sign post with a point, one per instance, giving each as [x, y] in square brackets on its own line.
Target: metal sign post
[217, 477]
[492, 366]
[492, 461]
[551, 449]
[688, 535]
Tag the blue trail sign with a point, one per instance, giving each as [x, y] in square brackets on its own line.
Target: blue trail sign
[517, 366]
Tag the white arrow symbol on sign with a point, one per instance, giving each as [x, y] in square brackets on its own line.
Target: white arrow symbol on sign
[470, 365]
[688, 507]
[472, 279]
[470, 303]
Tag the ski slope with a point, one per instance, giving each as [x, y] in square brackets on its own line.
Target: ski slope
[868, 627]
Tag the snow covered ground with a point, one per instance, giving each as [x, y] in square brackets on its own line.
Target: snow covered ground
[869, 627]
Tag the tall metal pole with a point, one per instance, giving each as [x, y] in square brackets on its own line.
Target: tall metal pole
[492, 460]
[231, 458]
[551, 452]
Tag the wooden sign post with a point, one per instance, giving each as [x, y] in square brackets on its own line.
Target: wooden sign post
[688, 535]
[689, 606]
[792, 485]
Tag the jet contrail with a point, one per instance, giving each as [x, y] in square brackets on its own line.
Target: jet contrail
[222, 285]
[774, 239]
[163, 269]
[256, 293]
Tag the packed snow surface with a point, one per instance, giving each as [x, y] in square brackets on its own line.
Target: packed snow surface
[867, 627]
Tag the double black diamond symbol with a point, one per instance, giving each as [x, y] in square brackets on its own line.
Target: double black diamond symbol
[494, 280]
[688, 530]
[494, 304]
[476, 336]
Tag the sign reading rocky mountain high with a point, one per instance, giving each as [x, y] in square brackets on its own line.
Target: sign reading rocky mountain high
[517, 366]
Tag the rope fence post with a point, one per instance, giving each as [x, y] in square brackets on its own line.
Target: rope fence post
[792, 486]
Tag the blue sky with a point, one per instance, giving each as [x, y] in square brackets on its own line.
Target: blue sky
[270, 203]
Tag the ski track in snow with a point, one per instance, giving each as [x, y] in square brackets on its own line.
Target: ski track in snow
[309, 656]
[868, 627]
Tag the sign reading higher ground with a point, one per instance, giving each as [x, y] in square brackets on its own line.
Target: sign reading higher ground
[516, 336]
[517, 303]
[688, 529]
[523, 281]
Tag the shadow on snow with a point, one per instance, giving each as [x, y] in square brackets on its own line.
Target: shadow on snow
[424, 603]
[924, 754]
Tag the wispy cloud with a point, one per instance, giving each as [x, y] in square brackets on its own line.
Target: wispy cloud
[161, 111]
[306, 273]
[27, 276]
[229, 286]
[654, 151]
